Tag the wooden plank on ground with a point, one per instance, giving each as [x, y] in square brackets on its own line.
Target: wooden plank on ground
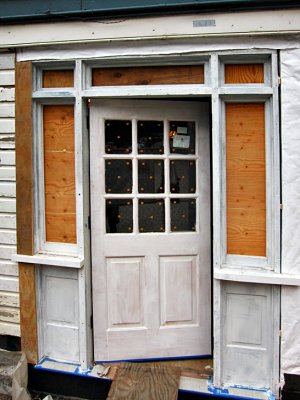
[28, 317]
[145, 382]
[156, 75]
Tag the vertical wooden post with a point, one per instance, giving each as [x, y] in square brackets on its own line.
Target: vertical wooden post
[25, 216]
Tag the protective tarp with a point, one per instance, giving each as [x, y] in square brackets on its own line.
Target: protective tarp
[290, 103]
[192, 46]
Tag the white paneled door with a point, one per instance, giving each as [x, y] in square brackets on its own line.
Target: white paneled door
[150, 221]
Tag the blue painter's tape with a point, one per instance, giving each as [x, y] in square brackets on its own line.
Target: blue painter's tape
[155, 359]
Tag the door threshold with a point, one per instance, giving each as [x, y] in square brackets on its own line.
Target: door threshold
[196, 377]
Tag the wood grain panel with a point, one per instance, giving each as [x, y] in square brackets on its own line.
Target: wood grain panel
[25, 217]
[160, 75]
[58, 78]
[244, 73]
[246, 179]
[59, 173]
[151, 382]
[24, 168]
[58, 127]
[29, 340]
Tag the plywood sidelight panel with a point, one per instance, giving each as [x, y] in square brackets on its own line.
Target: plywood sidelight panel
[58, 78]
[244, 73]
[59, 173]
[246, 179]
[24, 208]
[157, 75]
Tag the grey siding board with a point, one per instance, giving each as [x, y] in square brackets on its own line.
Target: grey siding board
[18, 10]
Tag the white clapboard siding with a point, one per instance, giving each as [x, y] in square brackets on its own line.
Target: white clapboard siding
[9, 314]
[7, 157]
[8, 268]
[10, 329]
[7, 109]
[8, 205]
[7, 173]
[7, 94]
[7, 78]
[7, 61]
[8, 189]
[7, 236]
[7, 141]
[7, 221]
[7, 125]
[9, 299]
[9, 282]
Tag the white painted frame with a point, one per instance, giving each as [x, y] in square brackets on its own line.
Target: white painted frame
[219, 93]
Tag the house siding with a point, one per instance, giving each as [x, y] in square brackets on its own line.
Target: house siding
[9, 282]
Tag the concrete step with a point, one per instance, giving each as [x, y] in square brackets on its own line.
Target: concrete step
[13, 376]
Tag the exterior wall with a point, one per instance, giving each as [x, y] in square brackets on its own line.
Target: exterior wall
[290, 75]
[9, 283]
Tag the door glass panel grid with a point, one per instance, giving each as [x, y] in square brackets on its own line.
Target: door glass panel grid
[161, 204]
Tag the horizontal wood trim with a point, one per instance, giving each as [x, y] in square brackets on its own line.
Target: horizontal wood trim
[244, 73]
[157, 75]
[59, 173]
[58, 78]
[246, 179]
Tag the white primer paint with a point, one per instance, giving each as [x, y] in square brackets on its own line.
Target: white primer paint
[290, 89]
[9, 283]
[166, 27]
[152, 49]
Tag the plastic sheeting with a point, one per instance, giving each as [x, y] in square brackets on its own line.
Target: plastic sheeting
[290, 103]
[152, 48]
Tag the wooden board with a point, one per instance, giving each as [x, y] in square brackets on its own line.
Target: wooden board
[160, 75]
[145, 382]
[25, 217]
[244, 73]
[58, 78]
[246, 179]
[28, 318]
[24, 168]
[59, 173]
